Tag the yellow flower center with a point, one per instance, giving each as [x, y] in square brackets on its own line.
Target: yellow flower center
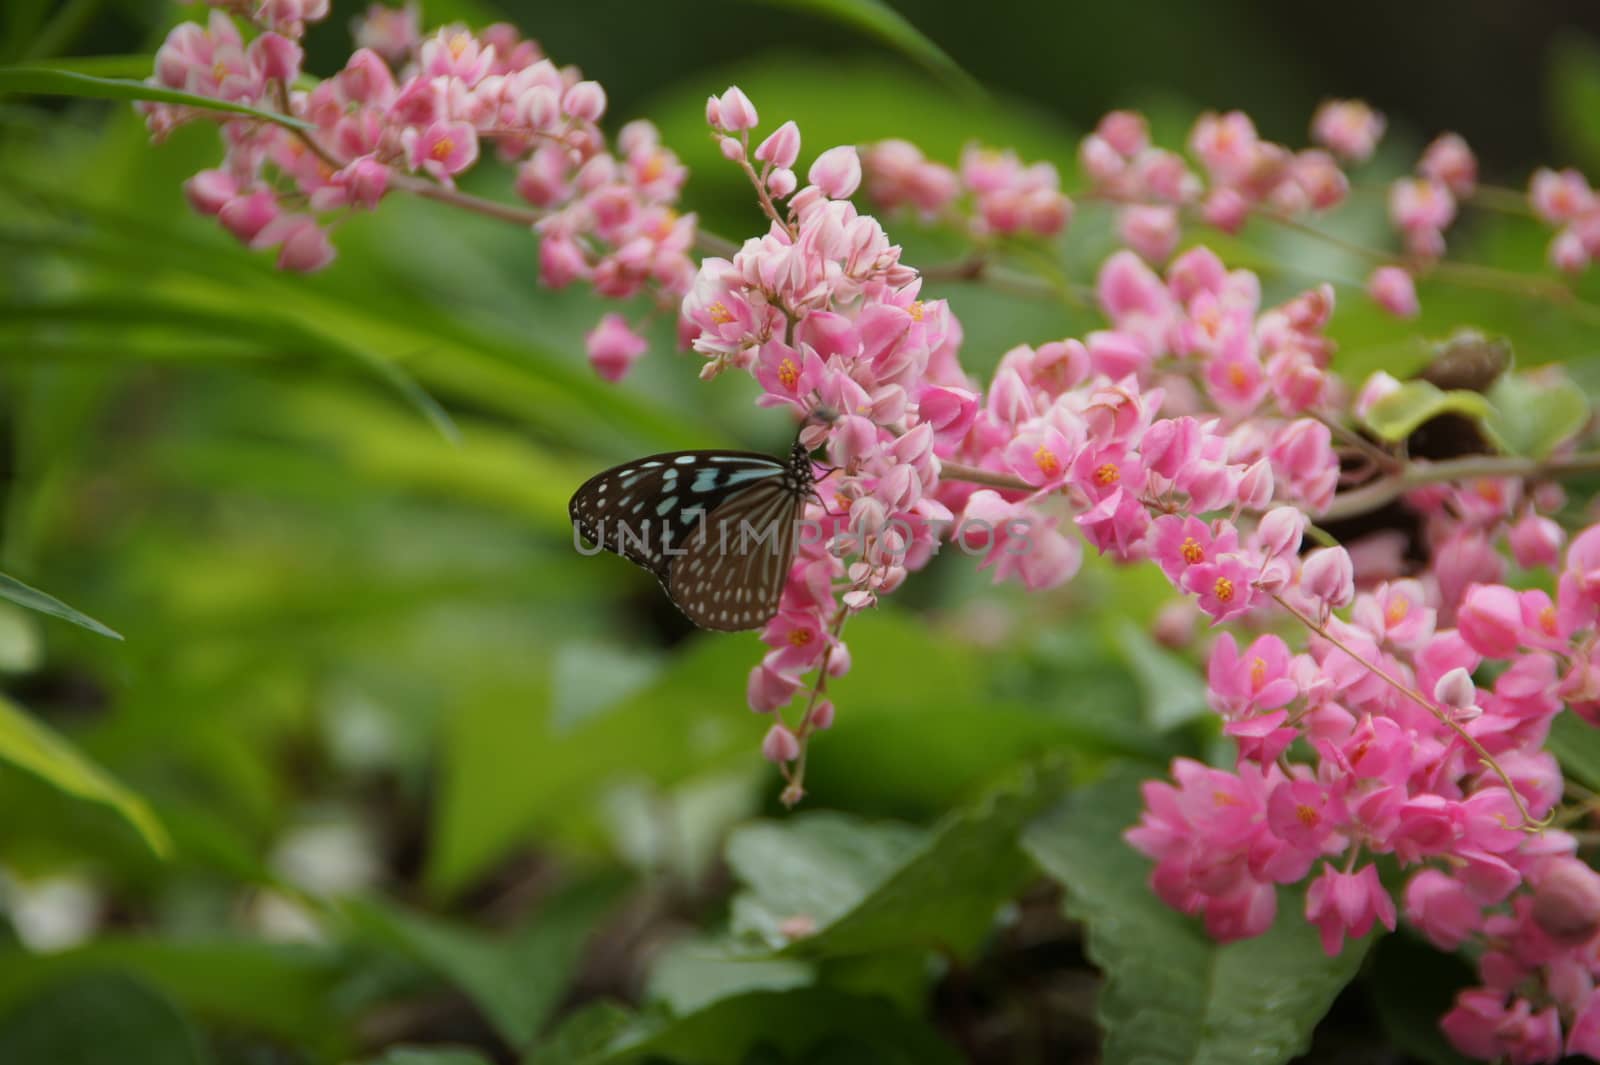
[1258, 672]
[719, 313]
[1236, 376]
[1222, 798]
[1399, 607]
[1047, 462]
[1191, 551]
[1107, 474]
[442, 148]
[915, 310]
[654, 167]
[1547, 620]
[458, 43]
[788, 374]
[1307, 815]
[1224, 589]
[800, 637]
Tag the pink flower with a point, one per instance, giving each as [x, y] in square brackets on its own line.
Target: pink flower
[585, 101]
[1149, 229]
[1490, 619]
[443, 149]
[614, 347]
[1392, 288]
[1566, 902]
[1226, 144]
[733, 111]
[1450, 161]
[392, 32]
[1420, 204]
[789, 376]
[780, 745]
[1442, 909]
[1560, 197]
[782, 146]
[1349, 127]
[1328, 576]
[1482, 1026]
[837, 172]
[1341, 904]
[1178, 542]
[1253, 682]
[1223, 587]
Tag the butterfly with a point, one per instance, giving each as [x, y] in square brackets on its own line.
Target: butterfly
[717, 528]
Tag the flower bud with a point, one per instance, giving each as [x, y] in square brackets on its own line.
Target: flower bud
[822, 714]
[613, 347]
[246, 216]
[585, 101]
[1536, 541]
[1490, 620]
[1280, 530]
[782, 146]
[837, 172]
[732, 149]
[736, 111]
[1328, 575]
[1255, 487]
[209, 190]
[780, 745]
[306, 248]
[781, 182]
[539, 107]
[1566, 903]
[1392, 289]
[1455, 690]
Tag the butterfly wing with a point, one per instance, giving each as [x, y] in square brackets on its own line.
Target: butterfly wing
[733, 568]
[646, 509]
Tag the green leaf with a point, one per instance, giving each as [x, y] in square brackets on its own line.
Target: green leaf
[47, 81]
[877, 19]
[99, 1019]
[1174, 691]
[1531, 416]
[27, 743]
[516, 979]
[33, 599]
[277, 990]
[1399, 414]
[430, 1056]
[807, 1024]
[1576, 745]
[863, 887]
[1171, 994]
[1574, 96]
[693, 973]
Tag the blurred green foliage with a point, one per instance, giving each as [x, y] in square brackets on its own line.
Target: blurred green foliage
[438, 791]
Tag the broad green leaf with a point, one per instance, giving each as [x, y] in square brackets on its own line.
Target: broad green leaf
[1171, 994]
[33, 599]
[28, 744]
[862, 887]
[1531, 416]
[1174, 690]
[515, 978]
[1576, 744]
[99, 1019]
[878, 19]
[1399, 414]
[804, 1024]
[276, 990]
[47, 81]
[429, 1056]
[693, 973]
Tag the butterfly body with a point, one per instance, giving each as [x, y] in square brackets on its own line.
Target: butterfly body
[717, 528]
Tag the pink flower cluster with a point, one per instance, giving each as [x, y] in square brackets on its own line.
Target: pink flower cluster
[1422, 207]
[992, 194]
[1563, 198]
[1400, 736]
[413, 112]
[1243, 172]
[823, 313]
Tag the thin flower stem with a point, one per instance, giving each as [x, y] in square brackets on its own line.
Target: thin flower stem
[1382, 459]
[1530, 823]
[956, 471]
[797, 776]
[1370, 496]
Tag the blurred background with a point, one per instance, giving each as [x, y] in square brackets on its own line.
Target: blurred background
[432, 778]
